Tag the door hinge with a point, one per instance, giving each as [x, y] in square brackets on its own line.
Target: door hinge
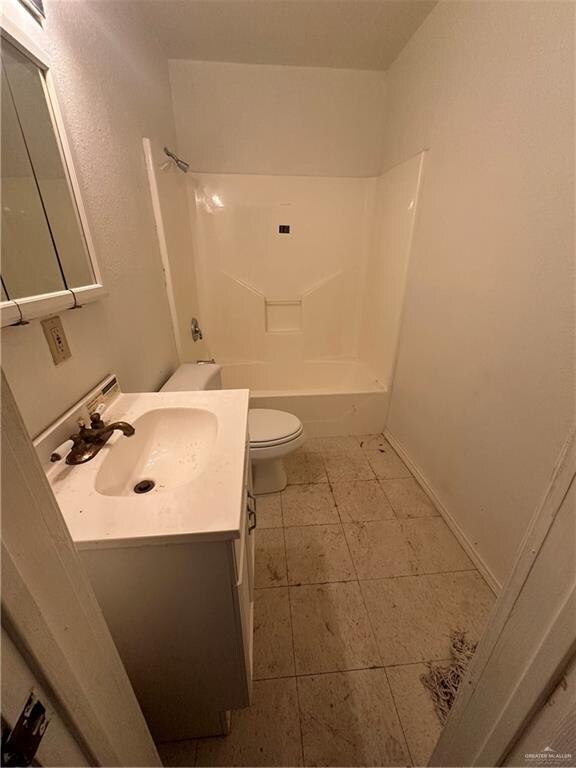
[20, 744]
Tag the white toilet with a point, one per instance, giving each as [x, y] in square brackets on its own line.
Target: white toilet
[273, 434]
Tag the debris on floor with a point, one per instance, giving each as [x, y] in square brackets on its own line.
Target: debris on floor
[443, 681]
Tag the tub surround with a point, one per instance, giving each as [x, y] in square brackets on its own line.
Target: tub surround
[332, 413]
[328, 292]
[270, 295]
[284, 311]
[330, 397]
[395, 207]
[284, 377]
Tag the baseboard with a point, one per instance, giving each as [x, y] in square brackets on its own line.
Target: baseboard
[472, 553]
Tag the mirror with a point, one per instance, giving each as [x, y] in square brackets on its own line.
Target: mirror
[43, 245]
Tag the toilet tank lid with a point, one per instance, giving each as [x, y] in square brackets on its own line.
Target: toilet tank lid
[190, 377]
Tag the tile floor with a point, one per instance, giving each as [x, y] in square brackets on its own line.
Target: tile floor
[358, 582]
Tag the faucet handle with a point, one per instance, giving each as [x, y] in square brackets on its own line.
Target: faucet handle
[96, 420]
[61, 451]
[96, 415]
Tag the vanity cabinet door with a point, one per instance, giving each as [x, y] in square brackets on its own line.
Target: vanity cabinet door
[250, 553]
[178, 618]
[246, 605]
[244, 555]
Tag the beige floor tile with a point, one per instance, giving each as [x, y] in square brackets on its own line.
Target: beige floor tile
[386, 463]
[316, 554]
[437, 549]
[466, 599]
[352, 465]
[349, 719]
[332, 632]
[273, 652]
[413, 616]
[417, 715]
[265, 734]
[270, 559]
[361, 500]
[408, 499]
[332, 444]
[311, 504]
[402, 547]
[407, 620]
[269, 511]
[372, 442]
[178, 754]
[303, 466]
[380, 548]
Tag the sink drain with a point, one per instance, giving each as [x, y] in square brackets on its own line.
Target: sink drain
[144, 486]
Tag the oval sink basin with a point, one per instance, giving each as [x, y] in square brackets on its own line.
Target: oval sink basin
[170, 448]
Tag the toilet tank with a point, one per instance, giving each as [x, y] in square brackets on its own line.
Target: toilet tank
[193, 376]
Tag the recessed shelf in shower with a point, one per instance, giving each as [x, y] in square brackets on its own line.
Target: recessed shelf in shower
[283, 315]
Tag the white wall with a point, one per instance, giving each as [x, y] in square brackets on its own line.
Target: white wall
[484, 389]
[113, 88]
[243, 263]
[296, 121]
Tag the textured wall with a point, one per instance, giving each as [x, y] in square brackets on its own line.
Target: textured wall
[484, 391]
[112, 83]
[294, 121]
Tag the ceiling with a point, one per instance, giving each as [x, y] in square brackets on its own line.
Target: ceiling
[355, 34]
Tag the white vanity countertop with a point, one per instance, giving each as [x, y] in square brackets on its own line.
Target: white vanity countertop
[210, 506]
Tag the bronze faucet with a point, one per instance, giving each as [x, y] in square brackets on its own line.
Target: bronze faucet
[89, 440]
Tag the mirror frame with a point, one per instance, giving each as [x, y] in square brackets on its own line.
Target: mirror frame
[25, 33]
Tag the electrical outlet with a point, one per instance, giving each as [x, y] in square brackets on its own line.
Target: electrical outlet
[56, 339]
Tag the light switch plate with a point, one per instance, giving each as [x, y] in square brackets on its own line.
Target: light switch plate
[56, 338]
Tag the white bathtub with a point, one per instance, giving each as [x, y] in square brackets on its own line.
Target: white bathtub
[340, 397]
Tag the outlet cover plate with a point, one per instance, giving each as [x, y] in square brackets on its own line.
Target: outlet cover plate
[56, 339]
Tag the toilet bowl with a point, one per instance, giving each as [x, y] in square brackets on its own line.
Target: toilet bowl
[273, 434]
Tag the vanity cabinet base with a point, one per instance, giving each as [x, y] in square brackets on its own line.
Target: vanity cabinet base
[181, 616]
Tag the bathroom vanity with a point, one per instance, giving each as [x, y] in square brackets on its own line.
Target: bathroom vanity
[173, 567]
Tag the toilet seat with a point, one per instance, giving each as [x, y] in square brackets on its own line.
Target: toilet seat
[273, 435]
[269, 428]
